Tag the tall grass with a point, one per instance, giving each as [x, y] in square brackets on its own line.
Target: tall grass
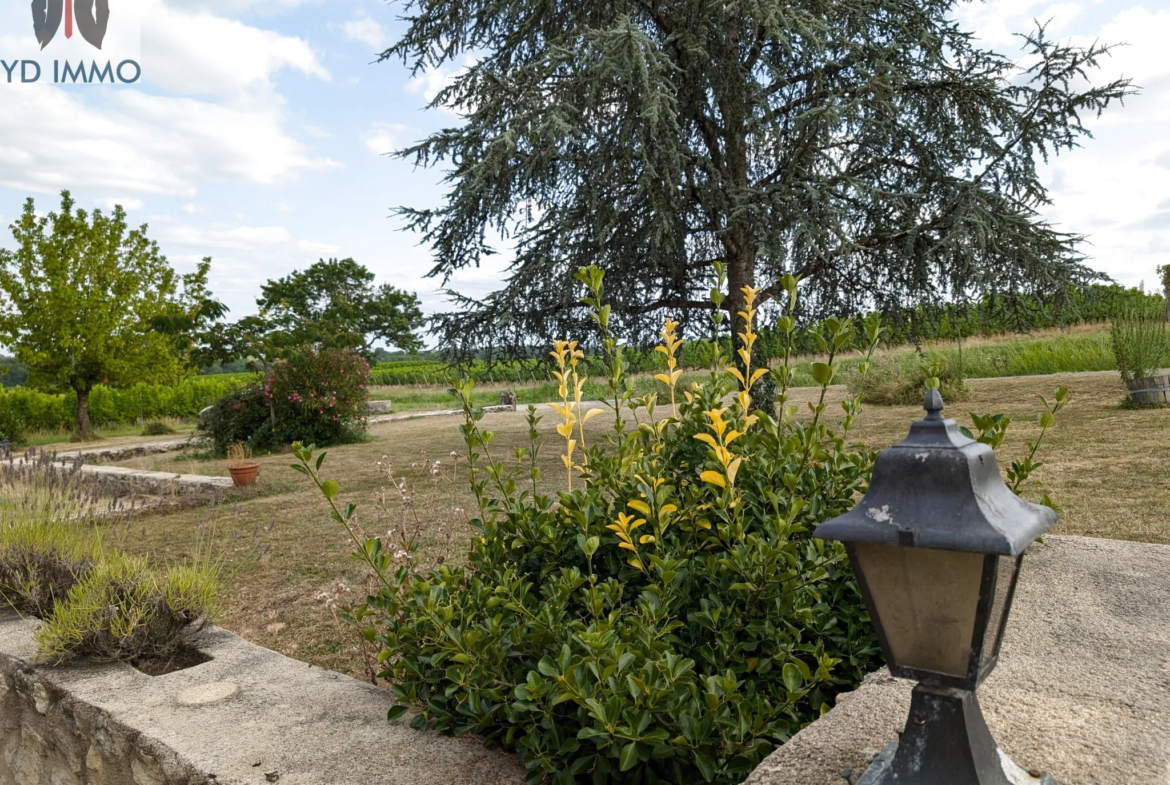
[1139, 342]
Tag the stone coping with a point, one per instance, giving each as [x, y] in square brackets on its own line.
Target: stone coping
[1082, 689]
[249, 715]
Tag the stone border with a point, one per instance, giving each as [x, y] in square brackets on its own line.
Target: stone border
[248, 716]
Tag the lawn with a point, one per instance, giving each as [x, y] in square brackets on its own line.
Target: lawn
[285, 560]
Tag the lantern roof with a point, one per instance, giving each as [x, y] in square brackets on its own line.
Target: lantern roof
[940, 489]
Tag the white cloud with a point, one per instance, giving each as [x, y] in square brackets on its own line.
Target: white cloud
[431, 81]
[284, 208]
[129, 204]
[191, 209]
[1109, 188]
[134, 142]
[221, 236]
[367, 31]
[324, 249]
[197, 53]
[382, 137]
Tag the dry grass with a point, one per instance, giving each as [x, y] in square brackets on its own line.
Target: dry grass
[1108, 468]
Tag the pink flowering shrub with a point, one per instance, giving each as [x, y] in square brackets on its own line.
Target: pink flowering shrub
[317, 396]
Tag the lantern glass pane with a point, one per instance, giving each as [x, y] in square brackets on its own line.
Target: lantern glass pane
[925, 601]
[1005, 577]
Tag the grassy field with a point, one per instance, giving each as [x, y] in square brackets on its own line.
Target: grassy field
[1073, 350]
[64, 441]
[1108, 468]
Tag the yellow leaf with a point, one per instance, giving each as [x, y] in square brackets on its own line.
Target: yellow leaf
[708, 438]
[565, 429]
[731, 436]
[589, 415]
[627, 546]
[715, 478]
[667, 509]
[640, 506]
[636, 564]
[750, 420]
[614, 527]
[735, 372]
[567, 461]
[704, 524]
[662, 378]
[732, 468]
[743, 355]
[756, 374]
[646, 538]
[637, 523]
[662, 349]
[570, 446]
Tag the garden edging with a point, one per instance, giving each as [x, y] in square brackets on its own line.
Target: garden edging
[250, 715]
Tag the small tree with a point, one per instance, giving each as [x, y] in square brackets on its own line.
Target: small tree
[81, 292]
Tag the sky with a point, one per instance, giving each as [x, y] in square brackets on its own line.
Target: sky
[258, 131]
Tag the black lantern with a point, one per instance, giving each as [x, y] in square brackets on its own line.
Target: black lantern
[936, 545]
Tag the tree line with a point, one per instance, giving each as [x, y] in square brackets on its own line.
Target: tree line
[88, 300]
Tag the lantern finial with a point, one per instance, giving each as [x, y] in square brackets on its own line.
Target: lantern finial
[933, 404]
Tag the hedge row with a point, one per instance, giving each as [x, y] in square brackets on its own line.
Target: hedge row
[109, 406]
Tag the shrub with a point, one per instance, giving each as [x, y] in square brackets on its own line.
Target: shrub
[124, 610]
[240, 416]
[12, 425]
[669, 617]
[40, 561]
[318, 395]
[39, 411]
[156, 428]
[901, 380]
[1138, 333]
[94, 600]
[46, 542]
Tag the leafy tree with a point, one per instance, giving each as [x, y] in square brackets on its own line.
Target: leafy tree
[869, 147]
[335, 304]
[81, 294]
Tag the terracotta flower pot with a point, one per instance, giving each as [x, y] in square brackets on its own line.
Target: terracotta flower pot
[245, 474]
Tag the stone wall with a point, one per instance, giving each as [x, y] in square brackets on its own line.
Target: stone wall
[249, 715]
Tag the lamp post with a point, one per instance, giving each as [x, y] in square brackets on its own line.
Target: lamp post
[936, 545]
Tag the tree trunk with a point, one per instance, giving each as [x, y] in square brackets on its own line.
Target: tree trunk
[83, 427]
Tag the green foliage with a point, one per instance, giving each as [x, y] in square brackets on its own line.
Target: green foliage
[82, 294]
[12, 425]
[1139, 341]
[242, 415]
[125, 610]
[94, 600]
[107, 406]
[668, 619]
[45, 550]
[993, 432]
[650, 137]
[156, 428]
[894, 380]
[317, 395]
[335, 304]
